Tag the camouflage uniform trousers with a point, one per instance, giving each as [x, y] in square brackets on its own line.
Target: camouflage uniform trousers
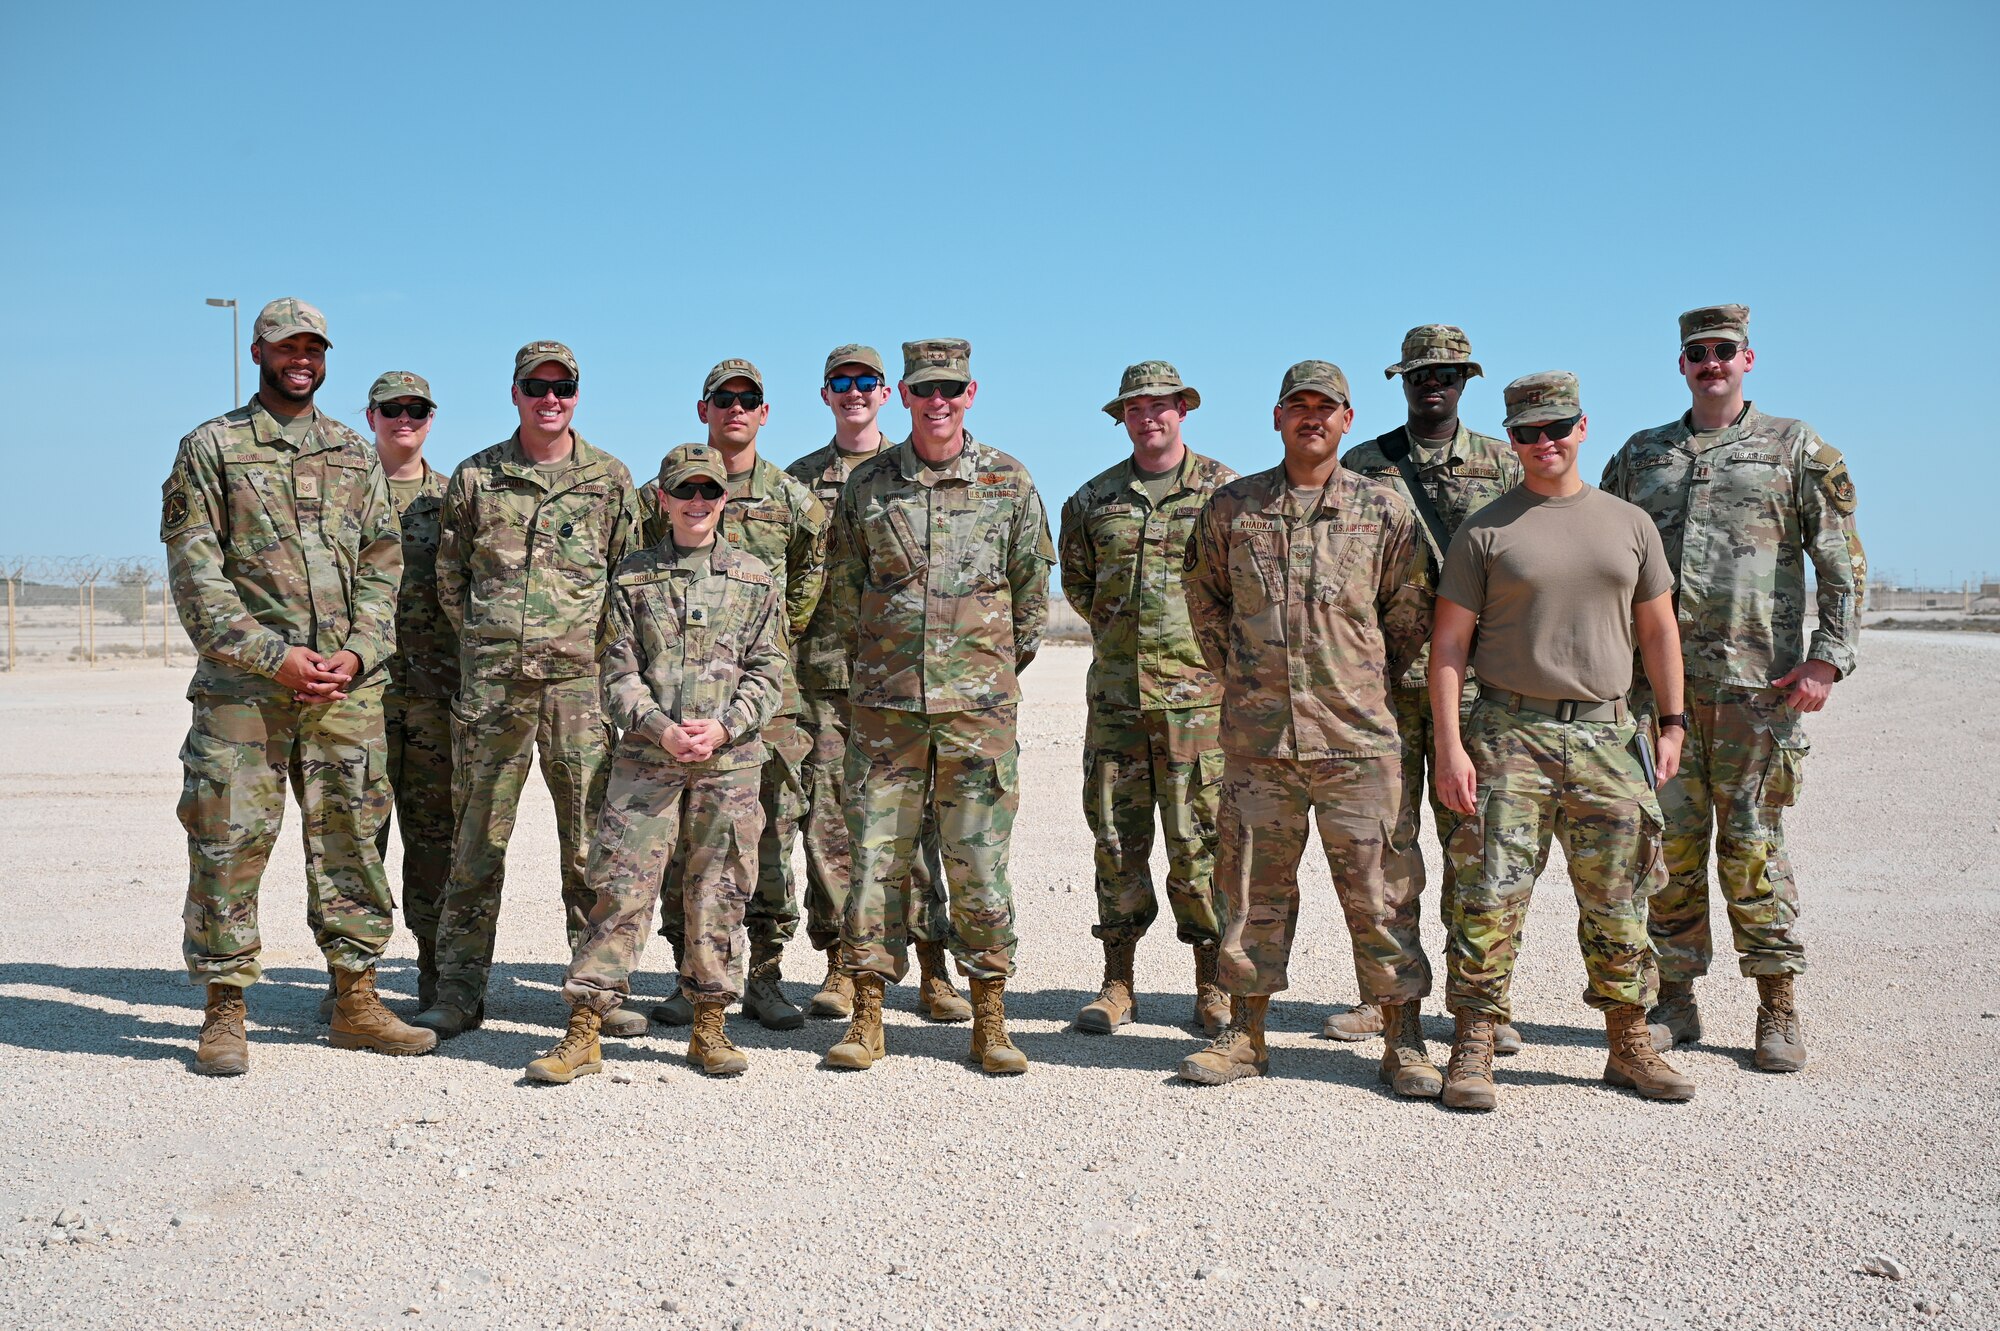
[239, 754]
[498, 725]
[965, 766]
[1742, 766]
[774, 907]
[1261, 839]
[418, 731]
[1134, 761]
[655, 810]
[829, 865]
[1579, 782]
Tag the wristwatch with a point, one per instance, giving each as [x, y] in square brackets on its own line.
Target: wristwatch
[1666, 719]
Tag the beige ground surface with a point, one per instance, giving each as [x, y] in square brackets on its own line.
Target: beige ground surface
[341, 1189]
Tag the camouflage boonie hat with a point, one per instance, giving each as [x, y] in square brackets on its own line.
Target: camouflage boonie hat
[854, 353]
[286, 316]
[1150, 378]
[693, 462]
[538, 353]
[399, 383]
[1321, 376]
[733, 368]
[1537, 399]
[937, 358]
[1722, 323]
[1435, 344]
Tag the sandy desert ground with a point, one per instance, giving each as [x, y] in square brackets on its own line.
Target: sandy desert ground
[342, 1189]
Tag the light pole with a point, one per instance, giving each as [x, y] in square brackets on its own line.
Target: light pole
[235, 352]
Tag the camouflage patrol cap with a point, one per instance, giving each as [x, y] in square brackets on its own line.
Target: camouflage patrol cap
[540, 353]
[854, 353]
[1434, 344]
[937, 358]
[1320, 376]
[691, 462]
[399, 383]
[1150, 378]
[1536, 399]
[733, 368]
[287, 316]
[1723, 323]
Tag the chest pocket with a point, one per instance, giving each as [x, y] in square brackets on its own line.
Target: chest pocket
[259, 506]
[1335, 578]
[763, 530]
[575, 524]
[344, 491]
[657, 620]
[969, 536]
[420, 527]
[1115, 531]
[894, 533]
[1256, 563]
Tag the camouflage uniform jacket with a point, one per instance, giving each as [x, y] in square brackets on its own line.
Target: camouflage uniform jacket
[948, 570]
[695, 639]
[780, 522]
[271, 547]
[525, 558]
[426, 661]
[1307, 615]
[1739, 513]
[1460, 478]
[822, 650]
[1121, 570]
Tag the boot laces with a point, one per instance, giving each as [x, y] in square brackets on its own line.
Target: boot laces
[1472, 1057]
[575, 1041]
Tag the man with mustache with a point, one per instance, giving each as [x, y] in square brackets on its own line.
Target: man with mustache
[1743, 501]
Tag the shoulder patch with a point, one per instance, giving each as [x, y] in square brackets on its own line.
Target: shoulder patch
[175, 509]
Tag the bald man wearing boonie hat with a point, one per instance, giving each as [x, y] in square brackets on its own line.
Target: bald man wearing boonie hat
[1456, 471]
[1743, 502]
[1310, 594]
[1151, 739]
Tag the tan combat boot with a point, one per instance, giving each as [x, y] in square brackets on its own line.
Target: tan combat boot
[1634, 1064]
[1114, 1005]
[1238, 1051]
[224, 1047]
[1468, 1079]
[862, 1047]
[1211, 1005]
[1674, 1019]
[624, 1023]
[1506, 1039]
[575, 1055]
[710, 1049]
[1354, 1025]
[836, 992]
[361, 1022]
[991, 1049]
[1781, 1044]
[762, 996]
[937, 1000]
[1406, 1063]
[678, 1010]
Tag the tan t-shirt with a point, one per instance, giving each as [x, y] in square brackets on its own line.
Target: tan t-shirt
[1553, 582]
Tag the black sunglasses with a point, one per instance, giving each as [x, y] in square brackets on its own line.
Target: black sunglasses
[750, 399]
[416, 411]
[850, 383]
[1446, 375]
[937, 388]
[696, 490]
[1555, 430]
[1697, 352]
[563, 388]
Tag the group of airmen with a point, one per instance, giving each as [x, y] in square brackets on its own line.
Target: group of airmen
[733, 654]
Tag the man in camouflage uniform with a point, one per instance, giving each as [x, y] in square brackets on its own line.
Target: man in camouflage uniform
[530, 531]
[1152, 733]
[423, 674]
[1459, 472]
[1309, 593]
[283, 559]
[776, 519]
[693, 671]
[1558, 580]
[1742, 500]
[940, 547]
[855, 388]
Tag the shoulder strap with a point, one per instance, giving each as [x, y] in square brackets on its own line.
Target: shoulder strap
[1398, 451]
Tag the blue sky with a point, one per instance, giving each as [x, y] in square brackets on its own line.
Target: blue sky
[1072, 187]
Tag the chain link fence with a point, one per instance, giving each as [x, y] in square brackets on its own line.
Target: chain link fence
[89, 610]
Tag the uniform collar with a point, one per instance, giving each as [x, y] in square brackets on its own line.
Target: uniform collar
[1431, 453]
[584, 460]
[836, 459]
[961, 468]
[264, 427]
[763, 478]
[1744, 424]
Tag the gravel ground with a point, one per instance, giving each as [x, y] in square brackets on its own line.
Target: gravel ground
[331, 1188]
